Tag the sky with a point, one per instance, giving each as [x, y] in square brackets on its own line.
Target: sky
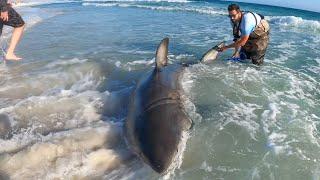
[311, 5]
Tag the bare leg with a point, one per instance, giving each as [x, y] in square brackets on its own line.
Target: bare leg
[16, 36]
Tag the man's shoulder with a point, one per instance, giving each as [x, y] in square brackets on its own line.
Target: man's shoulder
[248, 16]
[248, 23]
[248, 19]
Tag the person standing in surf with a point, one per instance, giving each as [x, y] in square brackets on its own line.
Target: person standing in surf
[11, 18]
[251, 35]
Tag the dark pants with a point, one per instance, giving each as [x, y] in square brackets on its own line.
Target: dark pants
[15, 20]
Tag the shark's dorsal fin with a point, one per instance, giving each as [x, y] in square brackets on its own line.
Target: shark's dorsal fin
[162, 53]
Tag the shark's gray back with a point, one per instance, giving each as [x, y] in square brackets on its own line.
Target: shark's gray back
[156, 117]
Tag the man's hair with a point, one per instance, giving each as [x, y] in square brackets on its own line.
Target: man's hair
[232, 7]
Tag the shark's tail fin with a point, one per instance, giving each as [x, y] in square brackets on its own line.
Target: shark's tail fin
[162, 53]
[212, 53]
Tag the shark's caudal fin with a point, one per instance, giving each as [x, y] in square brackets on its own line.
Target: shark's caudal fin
[162, 53]
[212, 53]
[5, 127]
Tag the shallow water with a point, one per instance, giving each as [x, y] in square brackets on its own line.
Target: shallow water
[67, 100]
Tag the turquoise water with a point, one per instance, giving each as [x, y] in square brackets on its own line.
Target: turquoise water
[67, 100]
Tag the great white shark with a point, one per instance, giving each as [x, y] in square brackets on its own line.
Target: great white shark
[156, 118]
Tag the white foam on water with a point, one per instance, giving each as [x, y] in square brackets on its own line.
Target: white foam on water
[76, 75]
[135, 51]
[206, 10]
[288, 50]
[227, 169]
[318, 60]
[101, 1]
[202, 10]
[274, 140]
[118, 64]
[69, 101]
[312, 130]
[286, 45]
[59, 63]
[30, 3]
[206, 167]
[177, 161]
[295, 22]
[133, 65]
[251, 74]
[316, 68]
[187, 83]
[301, 86]
[46, 114]
[302, 89]
[57, 128]
[146, 62]
[269, 116]
[237, 113]
[286, 121]
[242, 115]
[104, 5]
[59, 133]
[191, 74]
[184, 56]
[77, 153]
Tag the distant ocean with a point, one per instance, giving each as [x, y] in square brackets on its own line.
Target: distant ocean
[67, 100]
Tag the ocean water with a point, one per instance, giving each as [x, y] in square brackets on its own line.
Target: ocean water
[68, 99]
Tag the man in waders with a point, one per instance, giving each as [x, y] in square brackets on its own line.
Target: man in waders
[11, 18]
[251, 35]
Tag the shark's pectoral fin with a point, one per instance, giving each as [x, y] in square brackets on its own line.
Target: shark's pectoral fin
[162, 53]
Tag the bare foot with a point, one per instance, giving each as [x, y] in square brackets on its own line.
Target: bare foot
[12, 57]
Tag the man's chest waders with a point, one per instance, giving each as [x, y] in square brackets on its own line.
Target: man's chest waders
[256, 46]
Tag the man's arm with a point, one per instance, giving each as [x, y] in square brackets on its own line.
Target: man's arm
[240, 42]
